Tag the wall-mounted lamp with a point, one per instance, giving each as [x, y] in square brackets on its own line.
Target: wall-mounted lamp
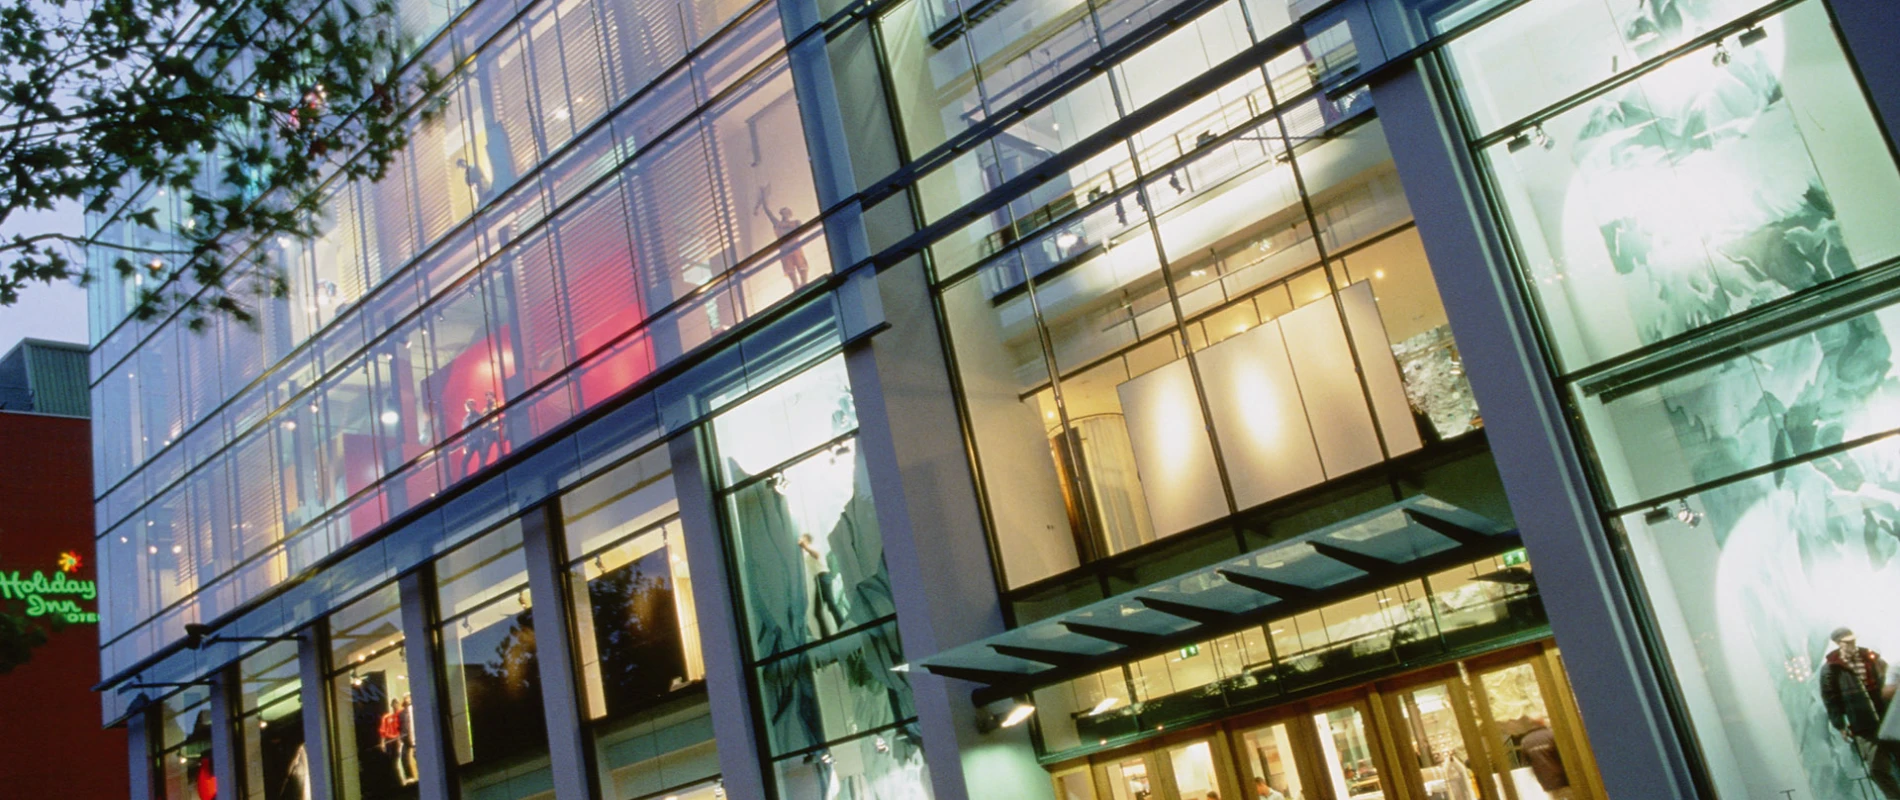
[988, 721]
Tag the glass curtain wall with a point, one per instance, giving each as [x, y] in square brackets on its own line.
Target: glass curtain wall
[373, 712]
[821, 626]
[442, 321]
[182, 747]
[642, 677]
[270, 726]
[1118, 326]
[1740, 187]
[496, 728]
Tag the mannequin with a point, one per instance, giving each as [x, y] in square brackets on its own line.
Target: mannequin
[1853, 689]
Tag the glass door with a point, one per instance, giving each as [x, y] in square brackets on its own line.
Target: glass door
[1272, 763]
[1074, 784]
[1347, 759]
[1132, 777]
[1435, 722]
[1197, 770]
[1532, 737]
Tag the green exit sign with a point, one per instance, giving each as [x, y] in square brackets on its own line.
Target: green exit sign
[1516, 558]
[1191, 651]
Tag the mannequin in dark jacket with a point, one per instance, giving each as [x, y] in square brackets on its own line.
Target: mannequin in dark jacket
[1852, 687]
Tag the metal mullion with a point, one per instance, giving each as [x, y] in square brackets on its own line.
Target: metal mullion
[1332, 282]
[834, 638]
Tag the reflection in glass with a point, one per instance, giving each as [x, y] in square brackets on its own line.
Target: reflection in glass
[497, 732]
[636, 630]
[183, 747]
[876, 767]
[1194, 770]
[270, 725]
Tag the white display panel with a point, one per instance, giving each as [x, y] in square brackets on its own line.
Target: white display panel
[1172, 453]
[1259, 416]
[1383, 382]
[1342, 425]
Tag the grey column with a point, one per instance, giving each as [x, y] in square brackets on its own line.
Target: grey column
[140, 727]
[417, 594]
[224, 746]
[935, 545]
[312, 648]
[568, 753]
[1613, 678]
[728, 686]
[1871, 29]
[825, 138]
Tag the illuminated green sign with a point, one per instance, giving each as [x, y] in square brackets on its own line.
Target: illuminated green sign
[57, 596]
[1515, 558]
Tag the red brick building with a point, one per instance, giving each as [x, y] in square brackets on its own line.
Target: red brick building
[51, 743]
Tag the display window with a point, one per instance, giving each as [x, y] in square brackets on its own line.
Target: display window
[182, 749]
[1742, 184]
[497, 730]
[825, 653]
[269, 725]
[375, 738]
[636, 632]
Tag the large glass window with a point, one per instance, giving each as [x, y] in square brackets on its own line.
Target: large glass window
[1742, 183]
[270, 724]
[1728, 178]
[1306, 358]
[182, 747]
[375, 718]
[496, 728]
[635, 631]
[820, 620]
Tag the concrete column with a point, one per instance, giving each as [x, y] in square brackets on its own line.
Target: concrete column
[1615, 681]
[417, 592]
[224, 745]
[140, 727]
[312, 656]
[728, 684]
[935, 545]
[1870, 28]
[568, 753]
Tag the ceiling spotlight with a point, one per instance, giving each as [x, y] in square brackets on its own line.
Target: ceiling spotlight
[1018, 714]
[1688, 516]
[1103, 707]
[391, 417]
[988, 721]
[1751, 37]
[1541, 138]
[1067, 239]
[1518, 142]
[1721, 57]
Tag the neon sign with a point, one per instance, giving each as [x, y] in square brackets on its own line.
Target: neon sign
[56, 596]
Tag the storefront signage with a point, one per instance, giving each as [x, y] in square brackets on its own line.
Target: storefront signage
[61, 595]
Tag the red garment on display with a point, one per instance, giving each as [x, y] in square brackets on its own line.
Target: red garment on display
[207, 780]
[391, 726]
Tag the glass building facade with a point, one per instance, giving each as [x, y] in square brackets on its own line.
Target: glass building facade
[1079, 399]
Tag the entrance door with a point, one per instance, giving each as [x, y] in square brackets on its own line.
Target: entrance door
[1531, 734]
[1347, 758]
[1270, 761]
[1435, 725]
[1131, 777]
[1197, 770]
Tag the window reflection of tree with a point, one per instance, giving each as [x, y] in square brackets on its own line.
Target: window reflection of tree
[636, 626]
[502, 689]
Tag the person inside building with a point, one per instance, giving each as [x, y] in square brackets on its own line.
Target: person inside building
[1539, 746]
[1264, 791]
[389, 730]
[1853, 688]
[791, 255]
